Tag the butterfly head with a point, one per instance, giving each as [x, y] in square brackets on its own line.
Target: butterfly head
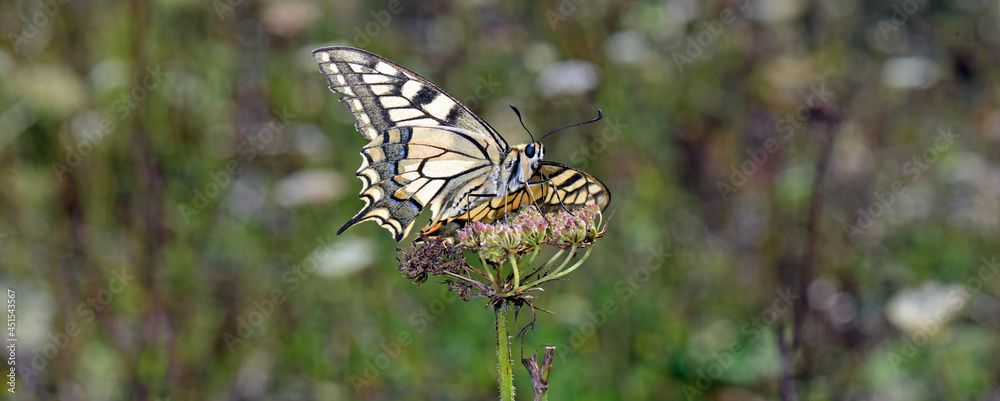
[533, 153]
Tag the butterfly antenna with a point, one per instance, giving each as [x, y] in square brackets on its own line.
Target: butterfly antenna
[600, 114]
[518, 112]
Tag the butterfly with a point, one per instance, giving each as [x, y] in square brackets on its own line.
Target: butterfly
[427, 150]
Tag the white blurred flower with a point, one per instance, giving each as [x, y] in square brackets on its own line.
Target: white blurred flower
[822, 293]
[626, 47]
[925, 309]
[308, 187]
[909, 72]
[843, 309]
[108, 74]
[716, 336]
[255, 372]
[777, 10]
[311, 141]
[573, 77]
[539, 55]
[247, 196]
[347, 255]
[35, 308]
[684, 10]
[48, 87]
[289, 18]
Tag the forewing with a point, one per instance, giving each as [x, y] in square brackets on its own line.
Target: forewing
[426, 150]
[382, 94]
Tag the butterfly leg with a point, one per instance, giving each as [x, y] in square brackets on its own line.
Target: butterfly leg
[506, 205]
[468, 215]
[534, 201]
[556, 194]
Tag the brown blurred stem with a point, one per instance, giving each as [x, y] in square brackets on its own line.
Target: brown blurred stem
[829, 117]
[540, 373]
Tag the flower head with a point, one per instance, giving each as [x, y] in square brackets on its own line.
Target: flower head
[529, 228]
[512, 241]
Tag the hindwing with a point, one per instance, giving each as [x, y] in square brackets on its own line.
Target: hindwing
[553, 187]
[407, 169]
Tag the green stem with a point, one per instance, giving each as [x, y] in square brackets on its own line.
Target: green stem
[504, 366]
[543, 265]
[572, 254]
[534, 253]
[517, 272]
[558, 272]
[541, 278]
[575, 265]
[489, 273]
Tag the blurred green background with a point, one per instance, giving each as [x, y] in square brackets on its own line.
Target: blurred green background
[806, 199]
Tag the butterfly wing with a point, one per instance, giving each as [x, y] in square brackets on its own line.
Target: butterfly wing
[426, 150]
[556, 186]
[410, 168]
[382, 94]
[568, 186]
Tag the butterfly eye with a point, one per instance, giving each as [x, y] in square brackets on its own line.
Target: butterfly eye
[530, 151]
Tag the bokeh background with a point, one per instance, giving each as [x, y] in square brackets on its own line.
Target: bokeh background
[806, 199]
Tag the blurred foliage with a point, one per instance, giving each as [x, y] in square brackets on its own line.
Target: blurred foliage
[174, 172]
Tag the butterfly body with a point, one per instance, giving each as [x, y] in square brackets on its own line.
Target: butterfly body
[427, 150]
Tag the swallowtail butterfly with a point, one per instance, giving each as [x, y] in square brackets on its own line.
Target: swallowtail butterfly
[427, 150]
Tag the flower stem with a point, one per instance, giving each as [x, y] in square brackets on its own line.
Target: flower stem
[575, 265]
[543, 265]
[489, 273]
[534, 253]
[558, 272]
[572, 254]
[517, 272]
[504, 367]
